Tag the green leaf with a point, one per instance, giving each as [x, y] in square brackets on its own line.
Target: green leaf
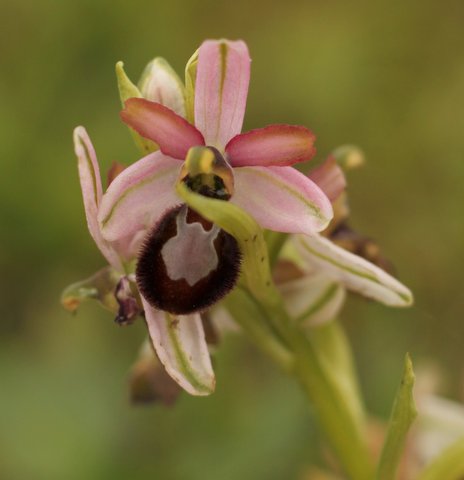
[403, 414]
[100, 287]
[128, 90]
[449, 465]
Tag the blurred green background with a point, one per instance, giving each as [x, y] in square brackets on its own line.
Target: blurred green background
[387, 75]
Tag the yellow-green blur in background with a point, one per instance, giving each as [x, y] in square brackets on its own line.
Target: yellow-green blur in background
[387, 76]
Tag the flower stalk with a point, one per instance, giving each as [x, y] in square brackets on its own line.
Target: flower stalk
[339, 422]
[249, 315]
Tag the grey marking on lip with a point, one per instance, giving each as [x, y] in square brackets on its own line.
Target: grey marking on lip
[190, 254]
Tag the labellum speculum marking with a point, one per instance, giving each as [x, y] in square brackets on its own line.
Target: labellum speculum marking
[187, 263]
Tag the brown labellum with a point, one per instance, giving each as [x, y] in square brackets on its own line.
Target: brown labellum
[187, 263]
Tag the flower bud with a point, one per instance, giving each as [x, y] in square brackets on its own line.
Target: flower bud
[349, 157]
[160, 83]
[100, 287]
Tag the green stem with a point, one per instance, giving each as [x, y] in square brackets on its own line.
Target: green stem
[338, 420]
[334, 351]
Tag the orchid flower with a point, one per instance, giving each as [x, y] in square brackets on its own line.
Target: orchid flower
[186, 263]
[182, 224]
[325, 270]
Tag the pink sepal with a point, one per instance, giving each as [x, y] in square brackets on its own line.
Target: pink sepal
[274, 145]
[154, 121]
[138, 197]
[282, 199]
[221, 88]
[90, 180]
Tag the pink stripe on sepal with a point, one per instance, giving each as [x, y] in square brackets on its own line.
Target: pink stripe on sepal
[221, 88]
[274, 145]
[171, 132]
